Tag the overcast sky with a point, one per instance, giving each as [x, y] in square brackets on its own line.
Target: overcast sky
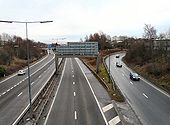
[74, 19]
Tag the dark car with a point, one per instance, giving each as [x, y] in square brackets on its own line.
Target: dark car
[117, 56]
[134, 76]
[118, 64]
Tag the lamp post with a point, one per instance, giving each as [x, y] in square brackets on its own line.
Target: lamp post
[28, 56]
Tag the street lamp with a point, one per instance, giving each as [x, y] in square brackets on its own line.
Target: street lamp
[28, 55]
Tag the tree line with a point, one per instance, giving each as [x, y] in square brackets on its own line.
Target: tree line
[15, 48]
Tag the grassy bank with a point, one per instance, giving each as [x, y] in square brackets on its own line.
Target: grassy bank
[115, 94]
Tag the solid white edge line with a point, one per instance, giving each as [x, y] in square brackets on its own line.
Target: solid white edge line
[55, 94]
[75, 115]
[93, 94]
[145, 95]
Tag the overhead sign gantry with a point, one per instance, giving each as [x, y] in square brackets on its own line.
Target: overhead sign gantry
[78, 49]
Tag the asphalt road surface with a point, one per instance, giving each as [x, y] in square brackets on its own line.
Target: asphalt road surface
[151, 104]
[74, 102]
[14, 89]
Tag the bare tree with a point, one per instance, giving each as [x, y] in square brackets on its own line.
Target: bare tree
[149, 32]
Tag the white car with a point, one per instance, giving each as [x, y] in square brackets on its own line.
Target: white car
[21, 72]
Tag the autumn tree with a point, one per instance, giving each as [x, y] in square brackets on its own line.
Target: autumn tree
[149, 32]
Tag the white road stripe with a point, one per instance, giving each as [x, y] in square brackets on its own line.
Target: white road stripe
[74, 93]
[75, 115]
[145, 95]
[114, 121]
[131, 82]
[106, 123]
[73, 76]
[8, 90]
[123, 74]
[19, 94]
[15, 85]
[39, 76]
[107, 107]
[55, 94]
[3, 93]
[73, 83]
[32, 83]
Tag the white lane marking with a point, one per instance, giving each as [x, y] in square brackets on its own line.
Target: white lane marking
[24, 69]
[22, 113]
[73, 76]
[15, 85]
[74, 93]
[72, 71]
[44, 71]
[73, 83]
[39, 76]
[55, 93]
[75, 115]
[93, 94]
[19, 94]
[32, 83]
[114, 121]
[3, 93]
[123, 74]
[145, 95]
[152, 85]
[107, 107]
[8, 90]
[20, 82]
[131, 82]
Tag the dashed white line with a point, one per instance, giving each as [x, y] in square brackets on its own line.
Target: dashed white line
[15, 85]
[74, 93]
[123, 74]
[75, 115]
[131, 82]
[32, 83]
[3, 93]
[145, 95]
[8, 90]
[72, 75]
[107, 107]
[39, 76]
[114, 121]
[19, 94]
[73, 83]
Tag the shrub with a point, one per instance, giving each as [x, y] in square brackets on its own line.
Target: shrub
[2, 71]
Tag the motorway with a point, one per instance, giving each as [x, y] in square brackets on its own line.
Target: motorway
[74, 102]
[14, 89]
[151, 104]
